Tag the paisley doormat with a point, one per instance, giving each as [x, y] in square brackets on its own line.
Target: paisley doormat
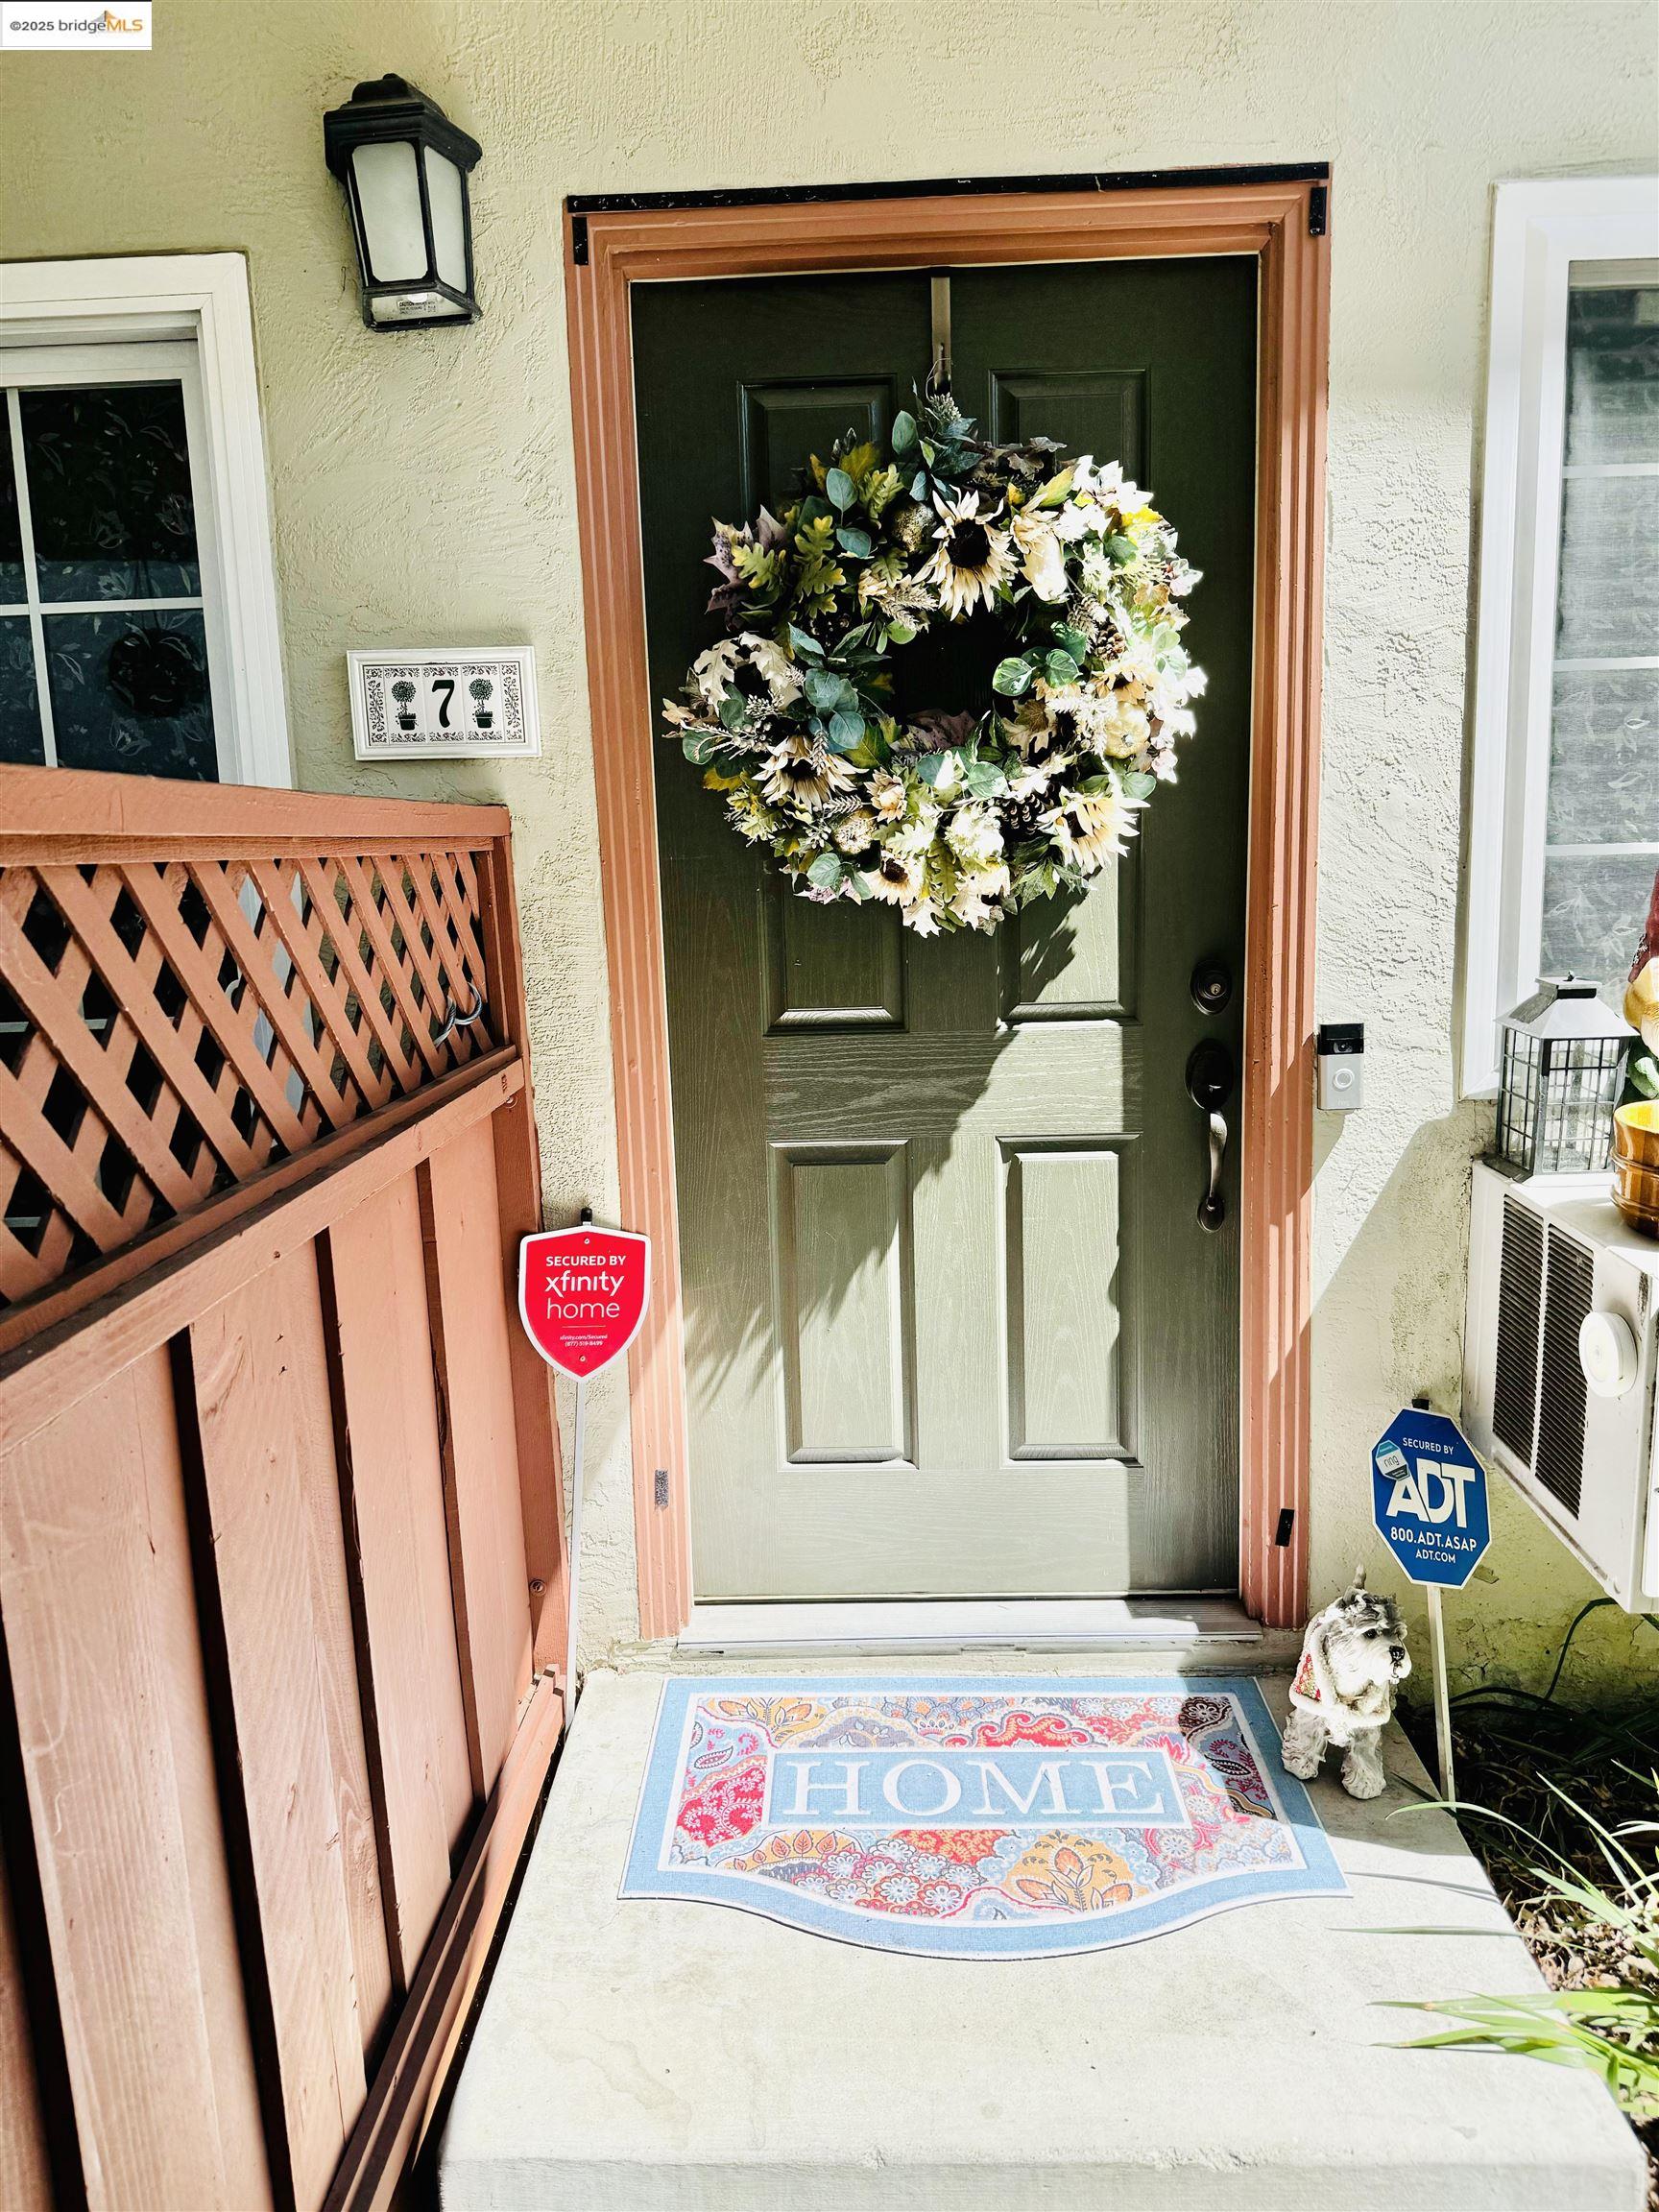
[997, 1817]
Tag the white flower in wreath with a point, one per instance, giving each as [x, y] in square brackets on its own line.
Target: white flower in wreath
[854, 831]
[916, 836]
[897, 877]
[974, 835]
[1122, 723]
[1078, 518]
[977, 899]
[888, 796]
[1090, 826]
[800, 773]
[971, 560]
[754, 667]
[1106, 482]
[1098, 573]
[1167, 696]
[1042, 556]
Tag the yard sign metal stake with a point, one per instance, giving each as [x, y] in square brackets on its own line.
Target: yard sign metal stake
[581, 1297]
[1442, 1691]
[1429, 1502]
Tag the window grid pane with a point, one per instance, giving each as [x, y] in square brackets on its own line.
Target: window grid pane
[47, 752]
[109, 497]
[13, 593]
[1603, 821]
[103, 661]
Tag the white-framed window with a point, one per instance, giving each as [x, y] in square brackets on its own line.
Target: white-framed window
[1564, 790]
[139, 629]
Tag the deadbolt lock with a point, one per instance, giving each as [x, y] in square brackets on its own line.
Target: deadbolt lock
[1212, 986]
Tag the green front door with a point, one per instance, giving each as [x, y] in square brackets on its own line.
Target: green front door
[952, 1325]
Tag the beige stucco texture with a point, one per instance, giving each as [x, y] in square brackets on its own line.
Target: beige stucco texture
[422, 484]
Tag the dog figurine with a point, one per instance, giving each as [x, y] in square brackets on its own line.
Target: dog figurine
[1353, 1658]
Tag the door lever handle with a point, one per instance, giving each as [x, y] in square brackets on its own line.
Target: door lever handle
[1210, 1086]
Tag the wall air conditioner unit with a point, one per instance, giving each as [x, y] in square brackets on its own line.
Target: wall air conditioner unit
[1560, 1356]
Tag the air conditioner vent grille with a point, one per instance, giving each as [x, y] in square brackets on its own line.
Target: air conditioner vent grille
[1520, 1297]
[1568, 1295]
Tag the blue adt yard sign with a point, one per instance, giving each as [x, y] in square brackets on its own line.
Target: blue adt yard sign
[1428, 1499]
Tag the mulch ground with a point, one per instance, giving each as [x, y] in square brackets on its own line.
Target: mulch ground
[1507, 1750]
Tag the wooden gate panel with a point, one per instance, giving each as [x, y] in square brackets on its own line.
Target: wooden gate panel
[112, 1710]
[267, 1441]
[472, 1345]
[394, 1482]
[280, 1569]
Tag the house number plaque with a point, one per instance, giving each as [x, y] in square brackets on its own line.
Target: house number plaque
[445, 703]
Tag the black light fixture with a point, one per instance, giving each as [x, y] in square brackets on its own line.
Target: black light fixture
[404, 166]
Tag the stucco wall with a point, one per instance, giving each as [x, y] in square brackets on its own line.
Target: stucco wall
[423, 485]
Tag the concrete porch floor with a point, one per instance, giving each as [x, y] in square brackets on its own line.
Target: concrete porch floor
[640, 2056]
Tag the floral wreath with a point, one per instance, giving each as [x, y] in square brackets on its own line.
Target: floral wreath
[958, 820]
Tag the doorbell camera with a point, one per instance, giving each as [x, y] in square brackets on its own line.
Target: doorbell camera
[1340, 1046]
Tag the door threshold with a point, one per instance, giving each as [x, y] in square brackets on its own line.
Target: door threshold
[935, 1624]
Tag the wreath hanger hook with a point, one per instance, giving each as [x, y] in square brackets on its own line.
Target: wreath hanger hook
[938, 380]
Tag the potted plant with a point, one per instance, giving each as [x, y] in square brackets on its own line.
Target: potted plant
[481, 688]
[404, 692]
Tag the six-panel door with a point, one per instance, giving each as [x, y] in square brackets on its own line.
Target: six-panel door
[952, 1325]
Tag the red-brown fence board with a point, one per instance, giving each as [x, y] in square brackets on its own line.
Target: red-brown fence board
[111, 1711]
[464, 1245]
[262, 1404]
[394, 1479]
[278, 1495]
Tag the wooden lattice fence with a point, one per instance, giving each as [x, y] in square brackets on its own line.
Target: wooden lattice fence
[170, 1027]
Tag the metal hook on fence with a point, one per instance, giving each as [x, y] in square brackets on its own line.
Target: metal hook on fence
[457, 1020]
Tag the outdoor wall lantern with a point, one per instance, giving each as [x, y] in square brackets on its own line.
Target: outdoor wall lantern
[404, 166]
[1563, 1053]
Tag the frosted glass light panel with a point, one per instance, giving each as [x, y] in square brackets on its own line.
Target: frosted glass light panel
[1601, 833]
[388, 181]
[446, 197]
[103, 654]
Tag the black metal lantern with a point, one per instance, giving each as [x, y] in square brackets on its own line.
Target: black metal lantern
[404, 166]
[1563, 1054]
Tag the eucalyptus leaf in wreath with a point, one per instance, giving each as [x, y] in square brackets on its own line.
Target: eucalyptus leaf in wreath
[958, 820]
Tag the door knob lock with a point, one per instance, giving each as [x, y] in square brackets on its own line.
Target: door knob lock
[1210, 1086]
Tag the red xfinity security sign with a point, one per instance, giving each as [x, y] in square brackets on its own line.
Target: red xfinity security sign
[582, 1295]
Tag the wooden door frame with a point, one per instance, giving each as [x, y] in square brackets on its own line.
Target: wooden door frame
[1278, 216]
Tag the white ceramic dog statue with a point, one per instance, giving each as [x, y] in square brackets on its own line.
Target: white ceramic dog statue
[1353, 1658]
